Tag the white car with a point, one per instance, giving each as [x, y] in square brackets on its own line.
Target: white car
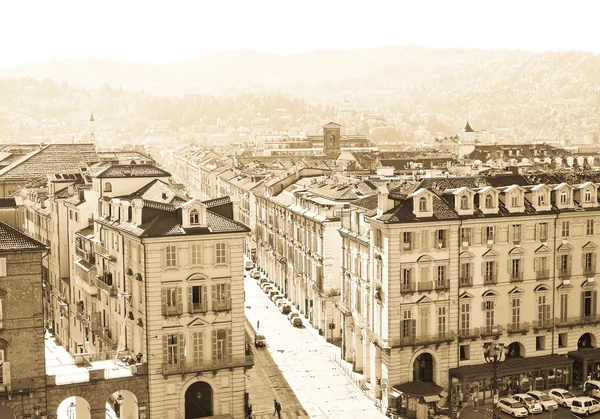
[542, 398]
[592, 388]
[532, 405]
[512, 407]
[561, 396]
[584, 406]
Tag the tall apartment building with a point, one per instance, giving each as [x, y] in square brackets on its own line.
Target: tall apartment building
[139, 269]
[434, 270]
[22, 361]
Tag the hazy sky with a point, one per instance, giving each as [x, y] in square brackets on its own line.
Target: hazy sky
[172, 30]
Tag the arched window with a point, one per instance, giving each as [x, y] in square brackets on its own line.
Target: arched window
[107, 187]
[489, 201]
[563, 197]
[588, 195]
[194, 217]
[423, 204]
[464, 202]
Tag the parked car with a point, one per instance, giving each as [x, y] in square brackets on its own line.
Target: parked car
[532, 405]
[263, 280]
[273, 292]
[255, 274]
[249, 265]
[546, 401]
[512, 407]
[584, 406]
[260, 340]
[592, 388]
[293, 314]
[285, 309]
[266, 285]
[296, 321]
[561, 396]
[276, 298]
[280, 302]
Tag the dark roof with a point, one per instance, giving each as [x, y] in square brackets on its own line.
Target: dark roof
[369, 202]
[53, 158]
[586, 354]
[510, 367]
[216, 202]
[154, 191]
[8, 202]
[12, 240]
[403, 212]
[418, 388]
[137, 170]
[468, 128]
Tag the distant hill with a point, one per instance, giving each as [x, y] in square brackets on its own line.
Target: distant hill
[547, 93]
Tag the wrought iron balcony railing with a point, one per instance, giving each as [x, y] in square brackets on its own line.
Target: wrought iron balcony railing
[221, 305]
[425, 286]
[487, 331]
[407, 288]
[192, 366]
[521, 327]
[542, 274]
[577, 321]
[543, 324]
[199, 307]
[172, 309]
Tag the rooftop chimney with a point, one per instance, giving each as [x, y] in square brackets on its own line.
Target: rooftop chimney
[384, 203]
[127, 171]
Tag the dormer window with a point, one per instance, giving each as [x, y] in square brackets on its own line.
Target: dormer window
[423, 204]
[107, 187]
[464, 203]
[489, 201]
[515, 201]
[541, 200]
[587, 196]
[194, 217]
[563, 197]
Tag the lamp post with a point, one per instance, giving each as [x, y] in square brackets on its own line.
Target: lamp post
[71, 410]
[493, 353]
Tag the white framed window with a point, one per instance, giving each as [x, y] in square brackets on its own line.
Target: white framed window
[565, 230]
[442, 313]
[221, 254]
[563, 197]
[174, 348]
[222, 346]
[171, 256]
[198, 346]
[464, 203]
[516, 232]
[589, 227]
[423, 204]
[194, 217]
[489, 201]
[515, 201]
[516, 311]
[196, 254]
[587, 196]
[465, 316]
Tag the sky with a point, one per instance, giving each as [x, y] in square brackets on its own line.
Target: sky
[174, 30]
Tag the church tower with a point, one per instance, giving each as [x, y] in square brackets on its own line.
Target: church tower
[331, 139]
[92, 129]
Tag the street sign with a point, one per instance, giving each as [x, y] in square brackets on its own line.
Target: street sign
[495, 398]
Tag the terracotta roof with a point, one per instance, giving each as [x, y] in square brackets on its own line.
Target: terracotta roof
[8, 202]
[53, 158]
[137, 170]
[12, 240]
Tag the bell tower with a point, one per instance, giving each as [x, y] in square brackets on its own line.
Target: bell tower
[331, 139]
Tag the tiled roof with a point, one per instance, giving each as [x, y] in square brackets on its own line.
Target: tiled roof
[8, 202]
[217, 201]
[12, 240]
[369, 202]
[137, 170]
[403, 213]
[53, 158]
[154, 191]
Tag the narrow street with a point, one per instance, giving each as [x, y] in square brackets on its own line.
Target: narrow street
[306, 363]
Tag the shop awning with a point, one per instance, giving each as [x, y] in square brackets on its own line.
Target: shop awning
[430, 399]
[418, 388]
[586, 355]
[510, 367]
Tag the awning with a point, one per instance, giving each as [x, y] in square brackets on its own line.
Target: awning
[510, 367]
[585, 355]
[418, 388]
[430, 399]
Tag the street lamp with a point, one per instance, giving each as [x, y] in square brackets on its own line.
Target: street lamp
[71, 410]
[493, 353]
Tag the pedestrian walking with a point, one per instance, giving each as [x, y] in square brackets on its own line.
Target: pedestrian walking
[278, 410]
[475, 403]
[275, 406]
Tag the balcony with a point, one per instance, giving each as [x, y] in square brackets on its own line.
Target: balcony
[199, 307]
[427, 339]
[589, 271]
[542, 274]
[105, 335]
[221, 305]
[516, 277]
[490, 279]
[564, 273]
[407, 288]
[172, 309]
[82, 317]
[464, 334]
[543, 324]
[87, 256]
[104, 283]
[465, 281]
[407, 246]
[514, 328]
[195, 366]
[425, 286]
[577, 321]
[442, 285]
[491, 331]
[99, 249]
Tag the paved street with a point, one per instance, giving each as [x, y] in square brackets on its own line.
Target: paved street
[485, 412]
[306, 362]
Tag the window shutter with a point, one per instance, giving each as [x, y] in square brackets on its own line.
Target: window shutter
[190, 298]
[6, 374]
[434, 238]
[165, 345]
[3, 267]
[213, 293]
[558, 262]
[536, 232]
[164, 296]
[536, 264]
[570, 262]
[214, 346]
[413, 331]
[582, 307]
[508, 265]
[483, 306]
[180, 348]
[483, 236]
[583, 260]
[424, 240]
[229, 345]
[228, 295]
[594, 262]
[401, 242]
[416, 240]
[204, 297]
[483, 270]
[594, 302]
[496, 265]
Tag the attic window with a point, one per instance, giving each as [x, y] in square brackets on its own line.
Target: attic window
[164, 195]
[515, 201]
[489, 202]
[107, 187]
[194, 217]
[541, 199]
[588, 196]
[563, 197]
[464, 203]
[423, 204]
